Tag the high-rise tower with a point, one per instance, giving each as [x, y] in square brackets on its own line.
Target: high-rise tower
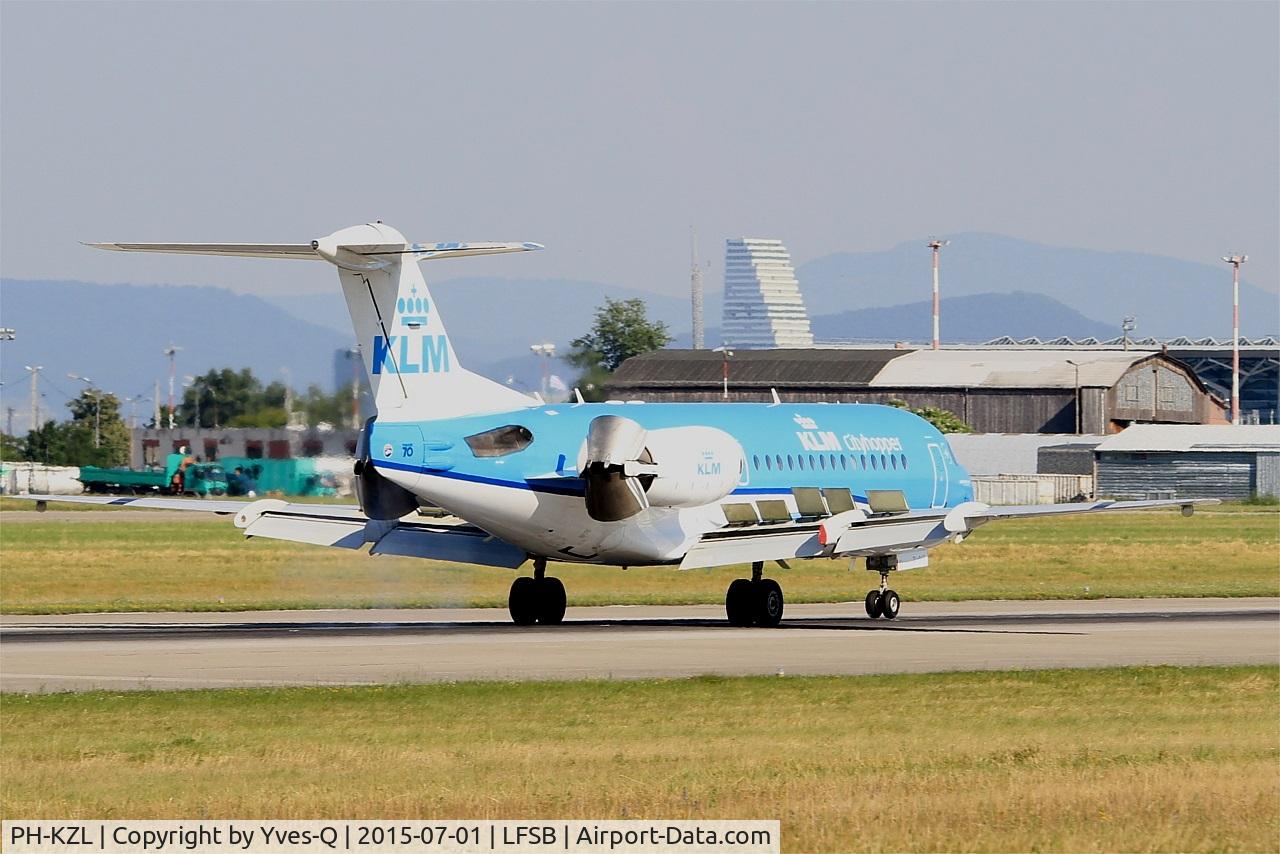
[763, 307]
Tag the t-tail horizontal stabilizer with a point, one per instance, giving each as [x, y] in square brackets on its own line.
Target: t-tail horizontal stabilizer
[412, 366]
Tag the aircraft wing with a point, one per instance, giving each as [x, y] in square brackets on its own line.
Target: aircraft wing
[856, 533]
[338, 525]
[225, 508]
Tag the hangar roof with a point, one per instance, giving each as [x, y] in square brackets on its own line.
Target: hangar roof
[1020, 368]
[755, 368]
[1195, 437]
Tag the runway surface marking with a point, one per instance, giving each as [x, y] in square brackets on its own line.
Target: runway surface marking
[170, 651]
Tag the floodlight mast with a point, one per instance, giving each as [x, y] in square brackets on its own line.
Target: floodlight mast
[171, 351]
[936, 245]
[1235, 261]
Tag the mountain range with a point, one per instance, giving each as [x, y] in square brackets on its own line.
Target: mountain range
[993, 286]
[1167, 296]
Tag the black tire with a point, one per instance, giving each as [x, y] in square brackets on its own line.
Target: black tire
[769, 603]
[551, 601]
[739, 602]
[522, 602]
[889, 604]
[873, 604]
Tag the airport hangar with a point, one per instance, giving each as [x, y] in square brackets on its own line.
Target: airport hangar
[994, 390]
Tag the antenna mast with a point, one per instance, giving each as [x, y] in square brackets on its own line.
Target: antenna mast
[695, 287]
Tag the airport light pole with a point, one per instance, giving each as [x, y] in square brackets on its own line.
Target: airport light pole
[1079, 419]
[727, 355]
[936, 245]
[35, 370]
[133, 409]
[196, 384]
[97, 407]
[1235, 260]
[171, 352]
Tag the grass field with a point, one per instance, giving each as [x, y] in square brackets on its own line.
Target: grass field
[1133, 759]
[99, 563]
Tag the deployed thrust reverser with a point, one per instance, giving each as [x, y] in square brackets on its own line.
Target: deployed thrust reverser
[628, 469]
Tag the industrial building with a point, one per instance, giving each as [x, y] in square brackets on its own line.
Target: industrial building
[763, 306]
[148, 446]
[1187, 461]
[1210, 358]
[993, 390]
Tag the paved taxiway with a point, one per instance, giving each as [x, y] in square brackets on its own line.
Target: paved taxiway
[130, 651]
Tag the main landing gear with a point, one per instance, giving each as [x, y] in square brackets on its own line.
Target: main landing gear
[754, 602]
[883, 602]
[537, 600]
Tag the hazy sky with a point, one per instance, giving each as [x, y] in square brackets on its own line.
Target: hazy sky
[606, 130]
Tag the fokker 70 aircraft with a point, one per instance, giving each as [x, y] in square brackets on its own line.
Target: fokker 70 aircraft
[618, 483]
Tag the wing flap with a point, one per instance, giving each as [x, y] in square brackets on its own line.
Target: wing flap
[459, 544]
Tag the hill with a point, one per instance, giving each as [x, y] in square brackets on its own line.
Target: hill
[967, 320]
[1168, 297]
[114, 334]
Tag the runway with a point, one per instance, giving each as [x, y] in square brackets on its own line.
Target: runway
[176, 651]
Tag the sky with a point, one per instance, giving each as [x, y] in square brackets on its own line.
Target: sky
[607, 131]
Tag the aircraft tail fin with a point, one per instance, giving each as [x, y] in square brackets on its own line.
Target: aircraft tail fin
[412, 366]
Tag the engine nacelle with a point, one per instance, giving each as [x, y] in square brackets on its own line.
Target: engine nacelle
[379, 498]
[695, 466]
[628, 468]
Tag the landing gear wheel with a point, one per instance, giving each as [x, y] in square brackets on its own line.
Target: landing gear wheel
[889, 603]
[769, 603]
[873, 604]
[522, 602]
[739, 602]
[551, 601]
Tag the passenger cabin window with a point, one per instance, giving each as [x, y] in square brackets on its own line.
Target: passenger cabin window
[500, 441]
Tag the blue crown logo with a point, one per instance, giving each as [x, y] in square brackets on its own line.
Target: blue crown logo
[413, 310]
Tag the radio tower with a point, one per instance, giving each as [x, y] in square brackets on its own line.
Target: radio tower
[695, 286]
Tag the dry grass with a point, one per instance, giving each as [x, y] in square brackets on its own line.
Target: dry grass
[1134, 759]
[98, 563]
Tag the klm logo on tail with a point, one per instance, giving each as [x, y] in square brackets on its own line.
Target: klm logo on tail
[411, 354]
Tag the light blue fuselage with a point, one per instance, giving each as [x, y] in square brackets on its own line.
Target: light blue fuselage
[524, 496]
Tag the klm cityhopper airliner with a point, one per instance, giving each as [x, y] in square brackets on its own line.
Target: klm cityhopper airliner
[621, 483]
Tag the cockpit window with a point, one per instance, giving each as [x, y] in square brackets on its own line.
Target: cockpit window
[500, 441]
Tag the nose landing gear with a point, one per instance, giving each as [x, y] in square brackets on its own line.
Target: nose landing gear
[757, 601]
[540, 599]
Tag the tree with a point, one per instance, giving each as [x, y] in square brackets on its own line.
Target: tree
[944, 419]
[60, 444]
[12, 447]
[224, 397]
[621, 330]
[98, 414]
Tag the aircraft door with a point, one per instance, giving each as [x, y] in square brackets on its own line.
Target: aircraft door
[941, 476]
